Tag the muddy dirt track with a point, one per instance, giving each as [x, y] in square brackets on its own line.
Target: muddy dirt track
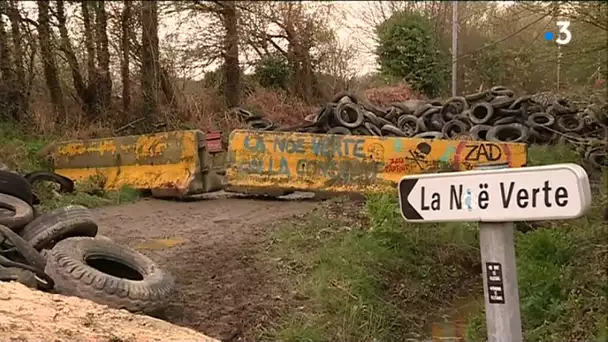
[211, 247]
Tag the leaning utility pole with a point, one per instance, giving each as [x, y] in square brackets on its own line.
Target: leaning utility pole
[454, 46]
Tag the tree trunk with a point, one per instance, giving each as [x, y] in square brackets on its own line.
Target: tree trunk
[88, 40]
[7, 78]
[47, 56]
[70, 56]
[232, 72]
[103, 54]
[149, 58]
[125, 60]
[5, 52]
[15, 19]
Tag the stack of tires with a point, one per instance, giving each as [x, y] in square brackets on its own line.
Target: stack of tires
[496, 114]
[61, 251]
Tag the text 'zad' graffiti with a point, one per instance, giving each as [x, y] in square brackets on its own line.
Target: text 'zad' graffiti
[334, 158]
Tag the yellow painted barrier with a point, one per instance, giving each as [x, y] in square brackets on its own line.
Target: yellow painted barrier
[170, 164]
[267, 161]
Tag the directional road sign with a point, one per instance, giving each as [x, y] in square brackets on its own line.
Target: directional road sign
[552, 192]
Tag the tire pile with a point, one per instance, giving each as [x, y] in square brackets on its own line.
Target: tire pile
[493, 115]
[61, 251]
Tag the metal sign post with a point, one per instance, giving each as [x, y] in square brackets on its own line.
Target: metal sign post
[496, 197]
[499, 274]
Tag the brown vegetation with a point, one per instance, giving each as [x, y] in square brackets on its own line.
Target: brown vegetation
[94, 66]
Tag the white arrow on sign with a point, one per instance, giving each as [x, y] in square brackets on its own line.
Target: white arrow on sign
[552, 192]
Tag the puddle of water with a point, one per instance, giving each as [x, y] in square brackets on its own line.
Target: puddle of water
[452, 325]
[160, 243]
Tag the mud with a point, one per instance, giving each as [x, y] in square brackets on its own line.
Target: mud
[213, 247]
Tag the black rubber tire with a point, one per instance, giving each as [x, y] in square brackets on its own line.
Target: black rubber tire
[393, 115]
[340, 131]
[244, 114]
[454, 127]
[361, 131]
[19, 275]
[502, 102]
[501, 91]
[437, 122]
[67, 265]
[597, 158]
[324, 114]
[66, 185]
[570, 123]
[349, 109]
[540, 120]
[465, 136]
[48, 229]
[262, 124]
[422, 109]
[409, 124]
[480, 131]
[477, 96]
[373, 129]
[29, 254]
[390, 129]
[351, 96]
[504, 112]
[405, 108]
[481, 113]
[371, 117]
[15, 185]
[497, 133]
[454, 106]
[521, 102]
[505, 121]
[23, 212]
[383, 121]
[429, 135]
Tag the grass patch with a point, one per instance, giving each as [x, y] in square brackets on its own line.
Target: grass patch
[369, 276]
[372, 281]
[562, 270]
[21, 153]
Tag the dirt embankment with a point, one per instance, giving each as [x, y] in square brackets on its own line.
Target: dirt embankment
[27, 315]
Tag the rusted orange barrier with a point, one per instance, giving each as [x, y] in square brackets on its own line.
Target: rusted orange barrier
[267, 161]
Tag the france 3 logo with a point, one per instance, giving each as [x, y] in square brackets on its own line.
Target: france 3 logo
[564, 36]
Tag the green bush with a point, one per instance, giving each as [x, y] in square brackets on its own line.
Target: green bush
[272, 72]
[408, 49]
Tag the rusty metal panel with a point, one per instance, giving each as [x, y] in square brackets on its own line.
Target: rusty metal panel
[260, 161]
[166, 162]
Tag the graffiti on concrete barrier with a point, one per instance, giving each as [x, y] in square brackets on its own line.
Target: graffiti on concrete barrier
[335, 158]
[470, 154]
[419, 154]
[334, 146]
[345, 163]
[487, 152]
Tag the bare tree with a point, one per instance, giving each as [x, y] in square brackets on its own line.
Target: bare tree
[68, 50]
[16, 22]
[104, 80]
[125, 49]
[48, 60]
[150, 66]
[89, 40]
[232, 71]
